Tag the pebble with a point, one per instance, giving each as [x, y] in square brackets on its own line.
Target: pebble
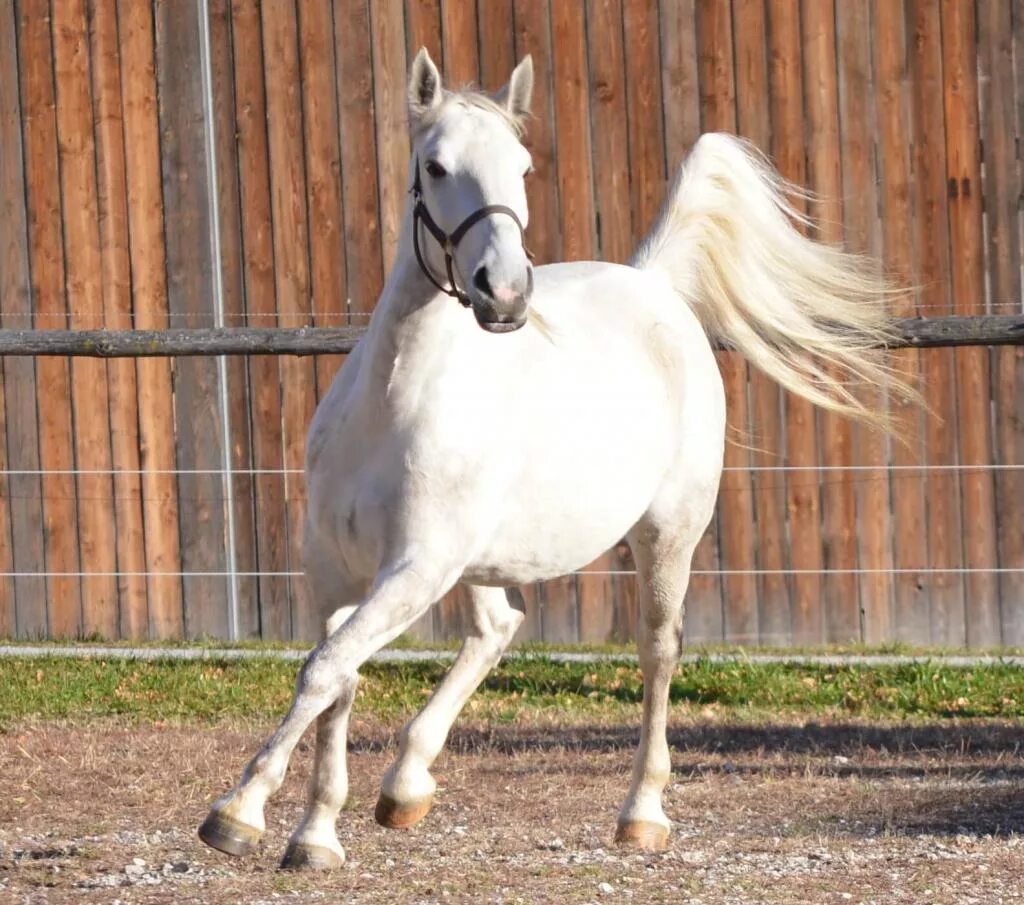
[606, 889]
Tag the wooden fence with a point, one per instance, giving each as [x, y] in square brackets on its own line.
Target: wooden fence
[219, 163]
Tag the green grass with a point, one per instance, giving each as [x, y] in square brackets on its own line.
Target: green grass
[518, 691]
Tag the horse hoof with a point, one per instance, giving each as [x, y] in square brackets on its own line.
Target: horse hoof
[397, 816]
[300, 856]
[228, 835]
[642, 834]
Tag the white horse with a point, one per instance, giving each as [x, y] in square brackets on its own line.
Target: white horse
[474, 445]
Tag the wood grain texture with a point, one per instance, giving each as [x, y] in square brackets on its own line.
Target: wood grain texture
[736, 501]
[289, 212]
[938, 385]
[765, 398]
[198, 419]
[963, 178]
[261, 309]
[115, 276]
[228, 210]
[25, 597]
[46, 258]
[387, 22]
[1000, 44]
[909, 507]
[328, 270]
[873, 525]
[149, 306]
[84, 293]
[824, 177]
[785, 73]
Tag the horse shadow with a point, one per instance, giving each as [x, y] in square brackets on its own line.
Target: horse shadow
[946, 778]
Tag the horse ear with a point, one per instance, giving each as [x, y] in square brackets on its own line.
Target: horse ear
[517, 93]
[424, 85]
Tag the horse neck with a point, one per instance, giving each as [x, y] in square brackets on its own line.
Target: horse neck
[412, 317]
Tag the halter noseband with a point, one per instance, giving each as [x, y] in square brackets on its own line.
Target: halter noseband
[449, 242]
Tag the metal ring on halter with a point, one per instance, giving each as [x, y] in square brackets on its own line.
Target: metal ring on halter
[449, 242]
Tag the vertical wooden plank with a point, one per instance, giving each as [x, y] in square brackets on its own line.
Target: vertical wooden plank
[115, 274]
[83, 274]
[291, 246]
[752, 107]
[231, 265]
[21, 427]
[259, 283]
[1001, 43]
[494, 20]
[46, 243]
[198, 424]
[327, 266]
[459, 43]
[149, 302]
[10, 245]
[736, 505]
[909, 510]
[824, 173]
[644, 113]
[358, 155]
[963, 173]
[802, 493]
[387, 21]
[938, 378]
[423, 27]
[874, 527]
[8, 611]
[680, 90]
[680, 86]
[533, 36]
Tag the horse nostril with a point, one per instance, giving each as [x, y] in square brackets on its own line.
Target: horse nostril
[482, 283]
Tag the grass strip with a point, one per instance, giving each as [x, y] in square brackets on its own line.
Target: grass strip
[518, 691]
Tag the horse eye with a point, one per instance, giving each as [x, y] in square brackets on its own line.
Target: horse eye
[435, 169]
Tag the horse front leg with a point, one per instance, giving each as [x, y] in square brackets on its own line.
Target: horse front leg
[407, 791]
[314, 844]
[398, 598]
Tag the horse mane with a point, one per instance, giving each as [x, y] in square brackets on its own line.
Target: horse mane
[470, 97]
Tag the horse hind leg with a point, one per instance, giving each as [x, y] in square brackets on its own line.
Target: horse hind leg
[407, 791]
[663, 569]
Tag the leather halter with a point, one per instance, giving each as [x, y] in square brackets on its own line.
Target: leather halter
[450, 241]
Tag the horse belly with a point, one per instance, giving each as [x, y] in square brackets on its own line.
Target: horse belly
[567, 512]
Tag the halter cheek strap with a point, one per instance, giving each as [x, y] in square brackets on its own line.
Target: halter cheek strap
[449, 242]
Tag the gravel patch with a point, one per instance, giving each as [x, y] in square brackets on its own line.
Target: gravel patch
[779, 814]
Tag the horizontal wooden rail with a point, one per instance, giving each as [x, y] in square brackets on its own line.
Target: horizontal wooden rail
[921, 333]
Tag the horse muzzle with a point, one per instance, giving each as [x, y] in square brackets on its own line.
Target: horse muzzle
[493, 322]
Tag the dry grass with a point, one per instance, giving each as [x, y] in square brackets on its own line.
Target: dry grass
[780, 813]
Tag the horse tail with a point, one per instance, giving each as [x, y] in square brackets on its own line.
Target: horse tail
[809, 315]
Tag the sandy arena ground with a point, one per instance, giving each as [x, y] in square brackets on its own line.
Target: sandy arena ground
[780, 814]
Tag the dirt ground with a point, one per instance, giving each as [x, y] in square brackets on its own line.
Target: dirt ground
[777, 814]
